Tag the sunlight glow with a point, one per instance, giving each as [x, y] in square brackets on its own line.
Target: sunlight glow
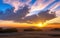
[40, 25]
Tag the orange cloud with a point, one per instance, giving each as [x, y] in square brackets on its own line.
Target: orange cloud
[8, 24]
[54, 23]
[13, 24]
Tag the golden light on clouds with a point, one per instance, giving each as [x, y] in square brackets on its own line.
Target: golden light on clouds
[54, 23]
[55, 20]
[13, 24]
[39, 25]
[58, 13]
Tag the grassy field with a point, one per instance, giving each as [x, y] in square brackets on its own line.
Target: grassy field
[31, 34]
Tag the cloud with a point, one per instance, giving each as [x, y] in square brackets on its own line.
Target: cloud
[20, 13]
[8, 24]
[40, 4]
[41, 17]
[17, 3]
[58, 13]
[17, 17]
[54, 6]
[55, 20]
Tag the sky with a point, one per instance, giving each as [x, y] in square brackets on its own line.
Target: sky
[33, 4]
[4, 6]
[35, 7]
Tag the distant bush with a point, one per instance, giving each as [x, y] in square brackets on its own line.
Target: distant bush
[55, 29]
[31, 29]
[1, 30]
[10, 30]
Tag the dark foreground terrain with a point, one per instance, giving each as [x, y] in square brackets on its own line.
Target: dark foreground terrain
[31, 34]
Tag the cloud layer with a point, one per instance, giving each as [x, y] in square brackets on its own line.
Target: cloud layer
[55, 5]
[40, 4]
[22, 10]
[17, 3]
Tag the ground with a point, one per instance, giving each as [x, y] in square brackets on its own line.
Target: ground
[31, 34]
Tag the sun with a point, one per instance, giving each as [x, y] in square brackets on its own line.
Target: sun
[41, 25]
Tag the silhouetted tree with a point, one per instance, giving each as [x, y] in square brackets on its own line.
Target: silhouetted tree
[10, 30]
[29, 29]
[55, 29]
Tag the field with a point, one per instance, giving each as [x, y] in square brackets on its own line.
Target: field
[31, 34]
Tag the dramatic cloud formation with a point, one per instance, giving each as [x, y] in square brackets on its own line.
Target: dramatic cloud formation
[21, 8]
[40, 4]
[54, 6]
[41, 17]
[20, 14]
[17, 17]
[17, 3]
[37, 5]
